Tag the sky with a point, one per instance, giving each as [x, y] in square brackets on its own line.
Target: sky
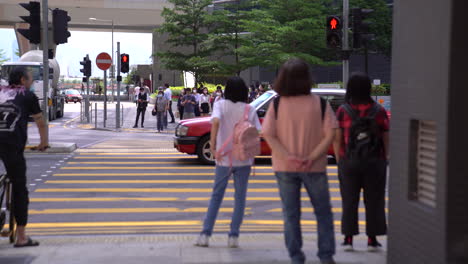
[69, 55]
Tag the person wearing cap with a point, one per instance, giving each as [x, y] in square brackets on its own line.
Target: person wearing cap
[142, 103]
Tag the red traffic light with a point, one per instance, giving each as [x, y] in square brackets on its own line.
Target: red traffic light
[334, 23]
[124, 58]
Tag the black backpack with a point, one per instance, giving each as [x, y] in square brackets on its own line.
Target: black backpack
[365, 143]
[323, 105]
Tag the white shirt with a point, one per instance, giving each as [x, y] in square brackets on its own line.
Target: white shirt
[197, 97]
[229, 114]
[204, 99]
[168, 94]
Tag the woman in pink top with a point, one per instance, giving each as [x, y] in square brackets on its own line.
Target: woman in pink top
[299, 141]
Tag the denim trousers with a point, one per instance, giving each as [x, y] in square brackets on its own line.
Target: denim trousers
[316, 184]
[241, 179]
[161, 117]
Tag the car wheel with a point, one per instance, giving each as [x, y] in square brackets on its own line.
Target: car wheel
[204, 152]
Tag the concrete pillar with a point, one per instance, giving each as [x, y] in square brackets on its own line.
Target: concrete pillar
[428, 214]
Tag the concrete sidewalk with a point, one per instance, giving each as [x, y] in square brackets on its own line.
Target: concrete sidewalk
[175, 249]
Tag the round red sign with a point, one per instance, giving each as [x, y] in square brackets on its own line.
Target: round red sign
[103, 61]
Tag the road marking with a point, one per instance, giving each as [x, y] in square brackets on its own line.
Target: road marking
[166, 223]
[155, 181]
[161, 199]
[127, 210]
[131, 153]
[107, 199]
[150, 168]
[140, 158]
[155, 174]
[129, 162]
[160, 190]
[311, 210]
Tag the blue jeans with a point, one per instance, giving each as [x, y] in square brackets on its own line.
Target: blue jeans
[241, 179]
[161, 117]
[316, 184]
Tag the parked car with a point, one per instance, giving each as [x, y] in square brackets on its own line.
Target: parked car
[72, 96]
[192, 136]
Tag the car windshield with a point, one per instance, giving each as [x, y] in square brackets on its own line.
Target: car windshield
[387, 105]
[264, 97]
[72, 92]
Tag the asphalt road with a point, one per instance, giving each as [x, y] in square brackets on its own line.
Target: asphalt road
[134, 182]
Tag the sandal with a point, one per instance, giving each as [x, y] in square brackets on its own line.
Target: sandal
[30, 243]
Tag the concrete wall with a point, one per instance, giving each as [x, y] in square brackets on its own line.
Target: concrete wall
[429, 65]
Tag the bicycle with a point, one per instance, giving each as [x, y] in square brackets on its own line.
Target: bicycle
[6, 213]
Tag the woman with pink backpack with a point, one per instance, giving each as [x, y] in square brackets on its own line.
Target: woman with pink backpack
[235, 142]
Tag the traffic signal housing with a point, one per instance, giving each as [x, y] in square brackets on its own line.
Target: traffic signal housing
[334, 32]
[33, 34]
[361, 27]
[86, 66]
[124, 63]
[60, 19]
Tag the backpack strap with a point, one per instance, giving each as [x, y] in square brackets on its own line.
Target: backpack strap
[276, 105]
[246, 112]
[351, 112]
[375, 109]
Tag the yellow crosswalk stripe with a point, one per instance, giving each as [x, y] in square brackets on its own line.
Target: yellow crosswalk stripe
[311, 210]
[151, 168]
[154, 181]
[127, 210]
[157, 174]
[128, 162]
[144, 228]
[158, 190]
[139, 158]
[160, 199]
[165, 223]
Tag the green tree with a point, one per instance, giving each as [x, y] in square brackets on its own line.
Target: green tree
[381, 26]
[227, 35]
[186, 24]
[129, 78]
[18, 53]
[3, 57]
[280, 30]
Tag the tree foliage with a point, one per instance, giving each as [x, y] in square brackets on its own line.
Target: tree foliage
[185, 25]
[3, 57]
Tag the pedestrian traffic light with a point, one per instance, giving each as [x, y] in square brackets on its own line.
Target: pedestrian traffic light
[334, 33]
[86, 66]
[361, 27]
[124, 63]
[60, 21]
[33, 34]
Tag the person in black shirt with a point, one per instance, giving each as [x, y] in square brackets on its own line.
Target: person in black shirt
[142, 103]
[17, 104]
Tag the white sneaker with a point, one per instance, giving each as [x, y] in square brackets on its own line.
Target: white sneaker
[202, 241]
[233, 242]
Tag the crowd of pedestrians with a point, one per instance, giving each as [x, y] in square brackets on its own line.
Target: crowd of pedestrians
[358, 132]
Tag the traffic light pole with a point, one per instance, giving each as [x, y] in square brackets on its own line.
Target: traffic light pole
[45, 62]
[345, 42]
[117, 108]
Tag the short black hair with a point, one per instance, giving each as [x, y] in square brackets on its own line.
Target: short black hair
[17, 74]
[219, 87]
[358, 90]
[294, 78]
[167, 85]
[236, 90]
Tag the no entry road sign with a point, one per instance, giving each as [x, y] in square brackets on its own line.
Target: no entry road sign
[103, 61]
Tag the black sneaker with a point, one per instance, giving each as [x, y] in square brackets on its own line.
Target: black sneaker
[373, 245]
[348, 243]
[135, 126]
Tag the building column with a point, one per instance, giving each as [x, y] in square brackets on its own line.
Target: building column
[428, 207]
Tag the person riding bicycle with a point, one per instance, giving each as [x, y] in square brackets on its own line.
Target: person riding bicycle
[17, 104]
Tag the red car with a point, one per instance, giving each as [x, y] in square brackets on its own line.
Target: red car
[192, 136]
[72, 96]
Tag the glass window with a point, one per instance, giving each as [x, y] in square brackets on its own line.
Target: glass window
[35, 71]
[264, 97]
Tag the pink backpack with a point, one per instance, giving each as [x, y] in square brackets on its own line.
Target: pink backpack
[245, 140]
